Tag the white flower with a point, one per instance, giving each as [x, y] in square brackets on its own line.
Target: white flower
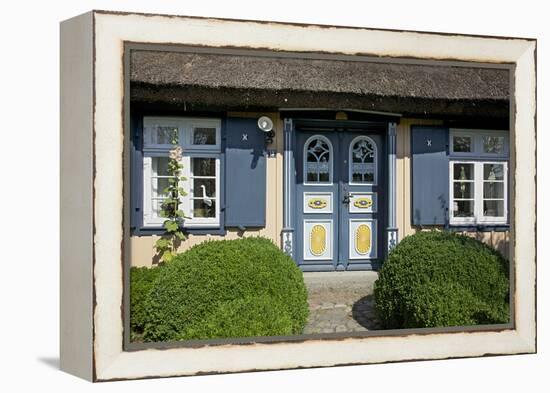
[176, 153]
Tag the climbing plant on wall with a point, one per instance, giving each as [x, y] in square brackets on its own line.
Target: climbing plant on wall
[167, 245]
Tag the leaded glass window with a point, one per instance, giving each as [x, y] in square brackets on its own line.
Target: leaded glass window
[318, 160]
[362, 160]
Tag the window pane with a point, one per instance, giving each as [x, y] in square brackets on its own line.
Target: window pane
[362, 172]
[312, 176]
[363, 161]
[204, 166]
[493, 208]
[493, 172]
[318, 161]
[493, 190]
[493, 144]
[202, 208]
[204, 187]
[463, 209]
[157, 207]
[324, 177]
[159, 185]
[463, 171]
[160, 166]
[462, 144]
[363, 151]
[161, 135]
[463, 190]
[204, 136]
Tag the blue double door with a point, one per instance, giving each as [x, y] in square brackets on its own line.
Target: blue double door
[340, 199]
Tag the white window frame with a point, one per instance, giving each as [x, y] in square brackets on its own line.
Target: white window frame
[187, 202]
[478, 157]
[461, 220]
[331, 162]
[479, 217]
[350, 162]
[202, 123]
[185, 127]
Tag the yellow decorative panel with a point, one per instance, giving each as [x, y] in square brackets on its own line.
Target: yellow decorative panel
[363, 203]
[317, 203]
[318, 240]
[363, 239]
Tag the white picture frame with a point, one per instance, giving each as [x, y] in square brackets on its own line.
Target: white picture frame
[92, 268]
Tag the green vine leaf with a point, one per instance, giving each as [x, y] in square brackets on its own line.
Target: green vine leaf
[171, 226]
[162, 243]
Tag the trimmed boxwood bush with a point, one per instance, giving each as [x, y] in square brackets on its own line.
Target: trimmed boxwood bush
[436, 279]
[141, 282]
[226, 288]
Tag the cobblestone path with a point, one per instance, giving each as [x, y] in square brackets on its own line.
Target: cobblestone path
[340, 302]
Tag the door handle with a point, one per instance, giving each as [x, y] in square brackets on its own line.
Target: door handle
[346, 199]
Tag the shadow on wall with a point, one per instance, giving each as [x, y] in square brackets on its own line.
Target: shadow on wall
[437, 219]
[193, 239]
[500, 240]
[497, 240]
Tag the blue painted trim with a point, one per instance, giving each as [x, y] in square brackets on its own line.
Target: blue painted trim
[478, 228]
[136, 172]
[288, 240]
[429, 175]
[246, 173]
[392, 237]
[455, 157]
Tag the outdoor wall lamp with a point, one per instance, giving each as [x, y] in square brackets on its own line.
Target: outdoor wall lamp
[266, 125]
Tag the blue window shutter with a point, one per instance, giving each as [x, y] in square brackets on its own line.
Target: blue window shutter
[430, 175]
[245, 173]
[136, 172]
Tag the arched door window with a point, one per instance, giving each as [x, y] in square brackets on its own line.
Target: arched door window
[362, 161]
[318, 160]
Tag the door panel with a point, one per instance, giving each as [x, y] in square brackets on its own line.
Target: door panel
[317, 223]
[339, 199]
[361, 213]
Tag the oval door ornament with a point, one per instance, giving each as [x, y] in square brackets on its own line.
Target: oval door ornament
[362, 239]
[317, 203]
[318, 240]
[362, 203]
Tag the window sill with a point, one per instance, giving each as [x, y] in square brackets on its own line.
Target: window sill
[485, 227]
[150, 231]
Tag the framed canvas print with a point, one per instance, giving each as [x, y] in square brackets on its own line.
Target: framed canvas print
[245, 195]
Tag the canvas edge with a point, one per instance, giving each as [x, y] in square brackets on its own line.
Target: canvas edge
[76, 196]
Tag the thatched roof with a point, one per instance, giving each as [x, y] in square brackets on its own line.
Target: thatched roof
[248, 82]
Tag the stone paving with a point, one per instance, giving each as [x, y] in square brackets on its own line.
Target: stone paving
[340, 302]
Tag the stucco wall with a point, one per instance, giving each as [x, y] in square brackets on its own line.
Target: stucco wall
[498, 240]
[142, 247]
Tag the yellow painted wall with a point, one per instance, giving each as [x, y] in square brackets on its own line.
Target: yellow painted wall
[142, 247]
[498, 240]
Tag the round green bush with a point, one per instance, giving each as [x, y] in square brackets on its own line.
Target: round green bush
[141, 282]
[437, 279]
[227, 288]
